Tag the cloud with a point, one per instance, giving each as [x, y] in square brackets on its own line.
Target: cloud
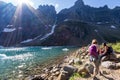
[56, 6]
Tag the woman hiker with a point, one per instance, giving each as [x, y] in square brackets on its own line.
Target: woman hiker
[94, 56]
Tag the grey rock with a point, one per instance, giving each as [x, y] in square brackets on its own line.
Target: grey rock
[89, 68]
[118, 65]
[70, 69]
[63, 76]
[109, 64]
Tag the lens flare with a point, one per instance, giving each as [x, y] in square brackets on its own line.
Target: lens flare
[26, 2]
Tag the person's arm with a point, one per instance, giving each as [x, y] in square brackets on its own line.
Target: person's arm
[105, 50]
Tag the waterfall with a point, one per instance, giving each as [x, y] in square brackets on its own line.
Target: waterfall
[45, 36]
[52, 31]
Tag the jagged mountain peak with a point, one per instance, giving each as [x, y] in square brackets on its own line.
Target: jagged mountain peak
[2, 3]
[79, 3]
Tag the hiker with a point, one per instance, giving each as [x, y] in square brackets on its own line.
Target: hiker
[94, 56]
[106, 51]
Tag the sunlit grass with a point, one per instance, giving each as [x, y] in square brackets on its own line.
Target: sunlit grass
[74, 76]
[77, 76]
[116, 46]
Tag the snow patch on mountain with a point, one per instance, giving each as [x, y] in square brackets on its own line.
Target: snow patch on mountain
[9, 29]
[112, 26]
[26, 41]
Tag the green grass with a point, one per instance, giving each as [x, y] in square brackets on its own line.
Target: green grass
[74, 76]
[77, 76]
[116, 46]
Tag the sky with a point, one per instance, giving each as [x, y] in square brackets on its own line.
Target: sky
[61, 4]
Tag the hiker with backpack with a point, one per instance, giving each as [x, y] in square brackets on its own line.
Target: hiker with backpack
[94, 56]
[106, 51]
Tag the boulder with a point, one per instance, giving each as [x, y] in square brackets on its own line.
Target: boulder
[71, 62]
[63, 76]
[29, 78]
[50, 78]
[86, 57]
[82, 57]
[111, 57]
[118, 57]
[44, 75]
[83, 72]
[89, 67]
[105, 72]
[70, 69]
[54, 70]
[36, 77]
[76, 60]
[109, 64]
[118, 65]
[57, 73]
[82, 69]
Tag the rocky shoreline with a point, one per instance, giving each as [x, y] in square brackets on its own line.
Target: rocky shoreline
[77, 62]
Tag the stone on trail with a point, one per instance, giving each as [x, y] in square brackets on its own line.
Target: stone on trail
[118, 65]
[70, 69]
[89, 67]
[36, 77]
[63, 76]
[76, 60]
[82, 69]
[108, 65]
[71, 62]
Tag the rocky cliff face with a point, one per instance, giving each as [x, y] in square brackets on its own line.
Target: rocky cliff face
[82, 12]
[80, 33]
[27, 22]
[76, 25]
[81, 23]
[6, 13]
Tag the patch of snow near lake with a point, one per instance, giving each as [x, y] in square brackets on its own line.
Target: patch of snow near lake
[9, 29]
[65, 49]
[106, 22]
[99, 22]
[66, 20]
[112, 26]
[9, 25]
[96, 30]
[26, 41]
[46, 48]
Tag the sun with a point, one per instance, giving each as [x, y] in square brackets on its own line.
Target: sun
[26, 2]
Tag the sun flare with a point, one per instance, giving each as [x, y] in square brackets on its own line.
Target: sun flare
[26, 2]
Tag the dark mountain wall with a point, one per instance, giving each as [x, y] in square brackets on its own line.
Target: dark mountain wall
[27, 21]
[82, 12]
[77, 25]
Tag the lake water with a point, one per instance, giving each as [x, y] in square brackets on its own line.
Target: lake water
[22, 62]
